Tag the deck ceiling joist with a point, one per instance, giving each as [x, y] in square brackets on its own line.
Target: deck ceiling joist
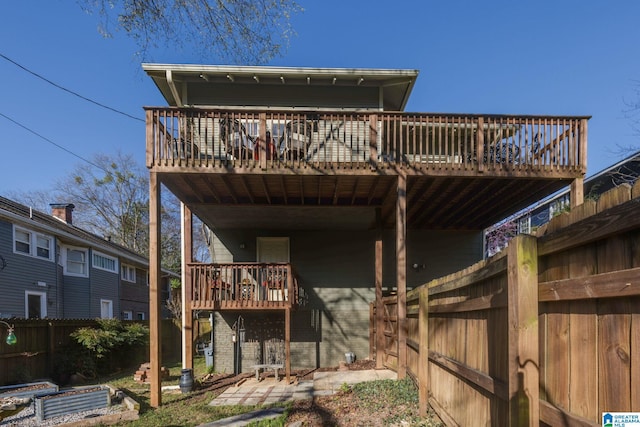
[349, 202]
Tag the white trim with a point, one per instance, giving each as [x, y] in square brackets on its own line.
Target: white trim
[263, 241]
[33, 237]
[65, 270]
[43, 303]
[109, 308]
[60, 233]
[95, 253]
[127, 315]
[131, 271]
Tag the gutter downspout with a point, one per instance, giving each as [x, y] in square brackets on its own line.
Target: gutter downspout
[174, 89]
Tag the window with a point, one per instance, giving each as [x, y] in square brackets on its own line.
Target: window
[559, 206]
[524, 225]
[33, 244]
[106, 309]
[105, 262]
[35, 305]
[127, 315]
[23, 241]
[75, 262]
[128, 273]
[140, 315]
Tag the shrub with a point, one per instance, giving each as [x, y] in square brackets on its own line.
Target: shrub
[109, 337]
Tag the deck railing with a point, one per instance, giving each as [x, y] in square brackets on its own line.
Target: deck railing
[222, 138]
[243, 286]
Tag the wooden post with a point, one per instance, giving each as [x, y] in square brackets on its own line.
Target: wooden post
[583, 144]
[401, 272]
[577, 192]
[379, 320]
[151, 143]
[524, 364]
[480, 144]
[187, 285]
[287, 343]
[372, 328]
[423, 356]
[155, 356]
[373, 140]
[262, 147]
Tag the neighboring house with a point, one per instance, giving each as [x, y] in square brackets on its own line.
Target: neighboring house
[325, 196]
[50, 268]
[529, 219]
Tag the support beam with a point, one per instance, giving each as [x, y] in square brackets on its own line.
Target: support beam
[287, 343]
[379, 319]
[401, 272]
[155, 290]
[187, 283]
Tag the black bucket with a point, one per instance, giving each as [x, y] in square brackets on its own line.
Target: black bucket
[186, 381]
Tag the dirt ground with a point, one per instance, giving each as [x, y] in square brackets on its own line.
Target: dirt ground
[345, 409]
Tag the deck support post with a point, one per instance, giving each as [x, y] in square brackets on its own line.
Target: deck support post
[401, 272]
[379, 318]
[155, 289]
[287, 343]
[186, 288]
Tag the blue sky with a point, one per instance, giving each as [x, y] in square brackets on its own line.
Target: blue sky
[558, 57]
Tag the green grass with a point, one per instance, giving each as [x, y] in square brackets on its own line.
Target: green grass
[177, 409]
[193, 409]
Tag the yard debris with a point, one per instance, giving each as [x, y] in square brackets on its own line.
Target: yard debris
[142, 374]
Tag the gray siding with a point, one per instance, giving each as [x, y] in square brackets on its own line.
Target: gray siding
[104, 285]
[134, 297]
[77, 294]
[337, 271]
[22, 273]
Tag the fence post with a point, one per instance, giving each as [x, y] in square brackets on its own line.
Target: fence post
[523, 355]
[423, 355]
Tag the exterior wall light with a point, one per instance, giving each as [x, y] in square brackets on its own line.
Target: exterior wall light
[11, 337]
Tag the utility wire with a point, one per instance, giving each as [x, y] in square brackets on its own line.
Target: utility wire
[53, 143]
[70, 91]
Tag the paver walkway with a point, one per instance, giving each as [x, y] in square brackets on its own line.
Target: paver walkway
[268, 391]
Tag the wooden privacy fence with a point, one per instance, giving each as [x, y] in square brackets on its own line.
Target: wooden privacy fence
[39, 340]
[545, 333]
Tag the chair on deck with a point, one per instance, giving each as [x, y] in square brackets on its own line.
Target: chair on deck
[235, 138]
[296, 139]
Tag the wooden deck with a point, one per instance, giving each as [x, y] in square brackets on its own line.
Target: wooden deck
[313, 142]
[243, 286]
[462, 171]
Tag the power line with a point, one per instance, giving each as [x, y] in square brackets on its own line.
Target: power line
[53, 143]
[68, 90]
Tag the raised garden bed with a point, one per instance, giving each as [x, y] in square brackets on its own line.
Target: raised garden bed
[28, 390]
[70, 401]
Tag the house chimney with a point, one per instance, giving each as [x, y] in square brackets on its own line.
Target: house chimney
[63, 211]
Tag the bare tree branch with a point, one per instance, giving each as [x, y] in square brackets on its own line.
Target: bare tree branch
[232, 31]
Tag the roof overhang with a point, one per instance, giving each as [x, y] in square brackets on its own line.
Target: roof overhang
[395, 85]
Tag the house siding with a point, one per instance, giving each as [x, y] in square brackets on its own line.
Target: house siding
[336, 269]
[77, 294]
[21, 274]
[134, 297]
[104, 285]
